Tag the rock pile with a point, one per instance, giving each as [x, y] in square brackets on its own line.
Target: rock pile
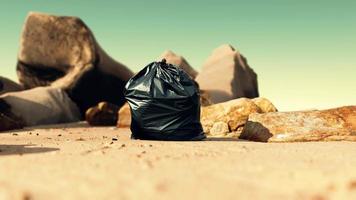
[228, 118]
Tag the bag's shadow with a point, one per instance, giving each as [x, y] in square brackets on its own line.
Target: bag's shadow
[9, 149]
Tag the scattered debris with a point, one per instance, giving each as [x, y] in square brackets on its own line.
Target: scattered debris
[114, 139]
[80, 139]
[15, 134]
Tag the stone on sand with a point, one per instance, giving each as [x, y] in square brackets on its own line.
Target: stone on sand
[179, 61]
[300, 126]
[37, 106]
[62, 52]
[226, 76]
[124, 116]
[219, 128]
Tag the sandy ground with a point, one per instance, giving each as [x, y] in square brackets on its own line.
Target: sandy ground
[77, 162]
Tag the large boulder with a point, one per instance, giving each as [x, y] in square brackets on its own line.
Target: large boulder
[317, 125]
[62, 52]
[226, 76]
[179, 61]
[37, 106]
[232, 114]
[7, 85]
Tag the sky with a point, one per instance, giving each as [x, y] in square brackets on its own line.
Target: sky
[304, 52]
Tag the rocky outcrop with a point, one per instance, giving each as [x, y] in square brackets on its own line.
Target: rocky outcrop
[228, 117]
[7, 85]
[61, 52]
[179, 61]
[318, 125]
[226, 76]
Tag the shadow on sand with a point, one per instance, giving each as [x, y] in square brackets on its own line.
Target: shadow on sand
[9, 149]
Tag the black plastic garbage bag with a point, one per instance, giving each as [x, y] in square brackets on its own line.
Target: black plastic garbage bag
[164, 104]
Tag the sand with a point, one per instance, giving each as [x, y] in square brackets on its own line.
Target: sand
[74, 161]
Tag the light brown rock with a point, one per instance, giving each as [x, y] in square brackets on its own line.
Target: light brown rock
[219, 129]
[38, 106]
[179, 61]
[234, 113]
[226, 76]
[62, 52]
[318, 125]
[264, 104]
[124, 116]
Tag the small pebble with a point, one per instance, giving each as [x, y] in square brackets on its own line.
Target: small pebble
[114, 139]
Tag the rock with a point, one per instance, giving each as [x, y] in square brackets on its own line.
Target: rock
[125, 116]
[317, 125]
[62, 52]
[37, 106]
[234, 113]
[7, 85]
[226, 76]
[219, 128]
[264, 104]
[179, 61]
[104, 114]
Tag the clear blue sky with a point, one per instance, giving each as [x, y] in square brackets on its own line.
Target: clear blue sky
[304, 52]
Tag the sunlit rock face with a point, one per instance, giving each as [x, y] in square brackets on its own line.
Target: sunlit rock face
[230, 117]
[226, 75]
[61, 52]
[317, 125]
